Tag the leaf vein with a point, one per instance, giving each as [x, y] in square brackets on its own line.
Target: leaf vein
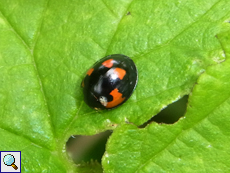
[15, 32]
[116, 30]
[36, 69]
[111, 11]
[179, 134]
[176, 36]
[23, 136]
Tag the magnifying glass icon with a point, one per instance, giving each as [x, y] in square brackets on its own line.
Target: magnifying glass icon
[9, 160]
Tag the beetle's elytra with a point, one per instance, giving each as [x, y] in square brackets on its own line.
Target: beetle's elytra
[109, 82]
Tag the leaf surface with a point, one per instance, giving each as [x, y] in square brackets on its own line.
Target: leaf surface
[47, 46]
[196, 143]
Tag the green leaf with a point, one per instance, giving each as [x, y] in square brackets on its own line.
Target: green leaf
[199, 142]
[46, 47]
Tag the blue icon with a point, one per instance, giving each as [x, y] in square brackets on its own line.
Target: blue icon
[9, 160]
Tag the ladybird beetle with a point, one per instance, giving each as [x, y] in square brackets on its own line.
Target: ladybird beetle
[109, 82]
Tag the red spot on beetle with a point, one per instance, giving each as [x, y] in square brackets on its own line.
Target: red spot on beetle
[108, 63]
[120, 73]
[117, 98]
[90, 71]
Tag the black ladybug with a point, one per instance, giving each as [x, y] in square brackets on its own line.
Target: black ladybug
[109, 82]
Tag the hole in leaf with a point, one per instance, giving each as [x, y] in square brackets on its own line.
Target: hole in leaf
[87, 148]
[171, 113]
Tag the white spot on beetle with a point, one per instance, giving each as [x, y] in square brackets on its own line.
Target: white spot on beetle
[103, 100]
